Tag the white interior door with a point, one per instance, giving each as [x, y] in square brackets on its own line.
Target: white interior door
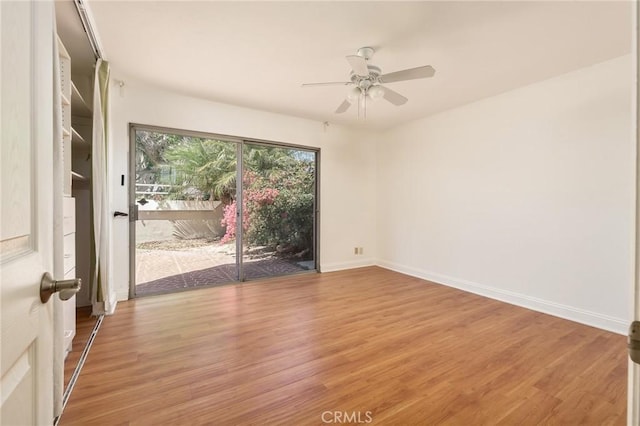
[26, 223]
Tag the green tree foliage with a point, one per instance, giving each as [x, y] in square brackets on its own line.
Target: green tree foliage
[206, 165]
[150, 165]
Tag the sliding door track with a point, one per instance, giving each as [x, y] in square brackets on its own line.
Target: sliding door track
[76, 372]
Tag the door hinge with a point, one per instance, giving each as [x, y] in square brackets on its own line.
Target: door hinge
[633, 342]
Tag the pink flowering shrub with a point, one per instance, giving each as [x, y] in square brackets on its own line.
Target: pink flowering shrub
[229, 221]
[254, 198]
[277, 210]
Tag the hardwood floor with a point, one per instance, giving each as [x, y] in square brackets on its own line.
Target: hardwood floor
[303, 349]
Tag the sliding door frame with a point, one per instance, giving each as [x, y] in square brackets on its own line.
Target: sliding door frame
[239, 212]
[240, 143]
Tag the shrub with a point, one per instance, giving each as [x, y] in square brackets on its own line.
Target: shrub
[278, 209]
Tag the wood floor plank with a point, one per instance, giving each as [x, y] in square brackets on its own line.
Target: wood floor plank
[406, 351]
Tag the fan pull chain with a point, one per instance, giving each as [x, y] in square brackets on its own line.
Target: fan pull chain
[362, 105]
[364, 95]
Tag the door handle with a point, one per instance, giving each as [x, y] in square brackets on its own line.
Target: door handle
[66, 288]
[117, 213]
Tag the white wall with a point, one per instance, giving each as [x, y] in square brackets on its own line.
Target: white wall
[347, 171]
[526, 197]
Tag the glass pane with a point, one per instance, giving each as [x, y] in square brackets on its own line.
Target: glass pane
[183, 184]
[278, 189]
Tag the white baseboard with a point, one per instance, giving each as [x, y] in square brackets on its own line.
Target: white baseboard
[122, 295]
[99, 307]
[594, 319]
[339, 266]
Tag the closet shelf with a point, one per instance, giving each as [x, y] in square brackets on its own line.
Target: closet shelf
[79, 106]
[77, 138]
[78, 176]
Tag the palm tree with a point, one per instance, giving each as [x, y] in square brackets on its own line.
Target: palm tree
[208, 165]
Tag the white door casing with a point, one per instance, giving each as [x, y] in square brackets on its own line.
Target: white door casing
[633, 390]
[26, 223]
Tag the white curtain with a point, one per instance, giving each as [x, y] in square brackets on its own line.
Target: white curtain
[58, 252]
[103, 296]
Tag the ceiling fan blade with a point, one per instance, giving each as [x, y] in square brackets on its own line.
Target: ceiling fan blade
[343, 107]
[394, 97]
[358, 65]
[410, 74]
[332, 83]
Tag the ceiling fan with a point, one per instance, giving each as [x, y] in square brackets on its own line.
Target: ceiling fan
[367, 81]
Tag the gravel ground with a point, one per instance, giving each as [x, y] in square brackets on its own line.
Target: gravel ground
[177, 245]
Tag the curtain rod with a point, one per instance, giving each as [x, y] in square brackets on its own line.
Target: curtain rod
[88, 28]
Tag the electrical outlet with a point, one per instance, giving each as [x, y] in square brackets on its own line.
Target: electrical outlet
[355, 250]
[360, 250]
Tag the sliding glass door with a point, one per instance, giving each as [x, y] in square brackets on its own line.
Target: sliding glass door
[182, 185]
[209, 210]
[279, 205]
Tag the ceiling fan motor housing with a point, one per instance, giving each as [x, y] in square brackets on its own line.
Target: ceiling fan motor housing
[365, 82]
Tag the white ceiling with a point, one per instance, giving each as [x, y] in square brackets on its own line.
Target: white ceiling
[257, 54]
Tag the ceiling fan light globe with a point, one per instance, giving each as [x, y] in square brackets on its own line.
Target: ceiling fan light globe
[353, 94]
[375, 92]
